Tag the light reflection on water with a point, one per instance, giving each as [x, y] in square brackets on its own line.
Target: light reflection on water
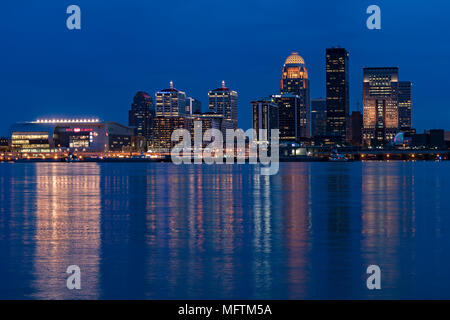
[160, 231]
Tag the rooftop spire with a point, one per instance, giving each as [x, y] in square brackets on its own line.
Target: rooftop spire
[223, 83]
[171, 84]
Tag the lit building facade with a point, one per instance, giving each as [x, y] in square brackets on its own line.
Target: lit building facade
[318, 117]
[265, 117]
[337, 87]
[202, 123]
[162, 132]
[4, 144]
[294, 103]
[404, 105]
[89, 135]
[292, 120]
[170, 102]
[141, 114]
[380, 105]
[224, 101]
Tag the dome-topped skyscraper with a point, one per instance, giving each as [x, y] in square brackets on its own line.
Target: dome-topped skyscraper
[294, 58]
[294, 103]
[294, 74]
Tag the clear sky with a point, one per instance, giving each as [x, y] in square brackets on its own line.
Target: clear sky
[126, 46]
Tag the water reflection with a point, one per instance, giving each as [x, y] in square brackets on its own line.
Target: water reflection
[388, 223]
[67, 226]
[296, 210]
[160, 231]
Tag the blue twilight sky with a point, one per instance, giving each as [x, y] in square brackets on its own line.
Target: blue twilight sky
[125, 46]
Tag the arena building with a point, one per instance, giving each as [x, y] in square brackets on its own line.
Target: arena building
[53, 135]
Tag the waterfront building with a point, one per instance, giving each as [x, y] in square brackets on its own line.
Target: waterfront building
[265, 116]
[162, 132]
[404, 105]
[140, 117]
[337, 88]
[224, 101]
[170, 102]
[4, 144]
[294, 103]
[292, 117]
[318, 117]
[433, 138]
[193, 106]
[52, 135]
[204, 121]
[380, 105]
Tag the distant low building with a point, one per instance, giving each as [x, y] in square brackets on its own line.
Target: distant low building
[90, 135]
[447, 136]
[4, 144]
[434, 138]
[437, 138]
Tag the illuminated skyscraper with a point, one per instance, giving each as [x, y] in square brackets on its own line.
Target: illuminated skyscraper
[141, 114]
[404, 105]
[224, 101]
[380, 104]
[294, 103]
[337, 93]
[170, 102]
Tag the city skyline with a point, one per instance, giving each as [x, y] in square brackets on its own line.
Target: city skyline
[50, 72]
[358, 107]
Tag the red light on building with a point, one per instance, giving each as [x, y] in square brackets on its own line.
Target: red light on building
[79, 130]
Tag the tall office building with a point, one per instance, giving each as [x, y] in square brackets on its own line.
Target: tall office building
[224, 101]
[293, 123]
[404, 105]
[337, 79]
[170, 102]
[318, 117]
[294, 103]
[141, 114]
[265, 117]
[380, 105]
